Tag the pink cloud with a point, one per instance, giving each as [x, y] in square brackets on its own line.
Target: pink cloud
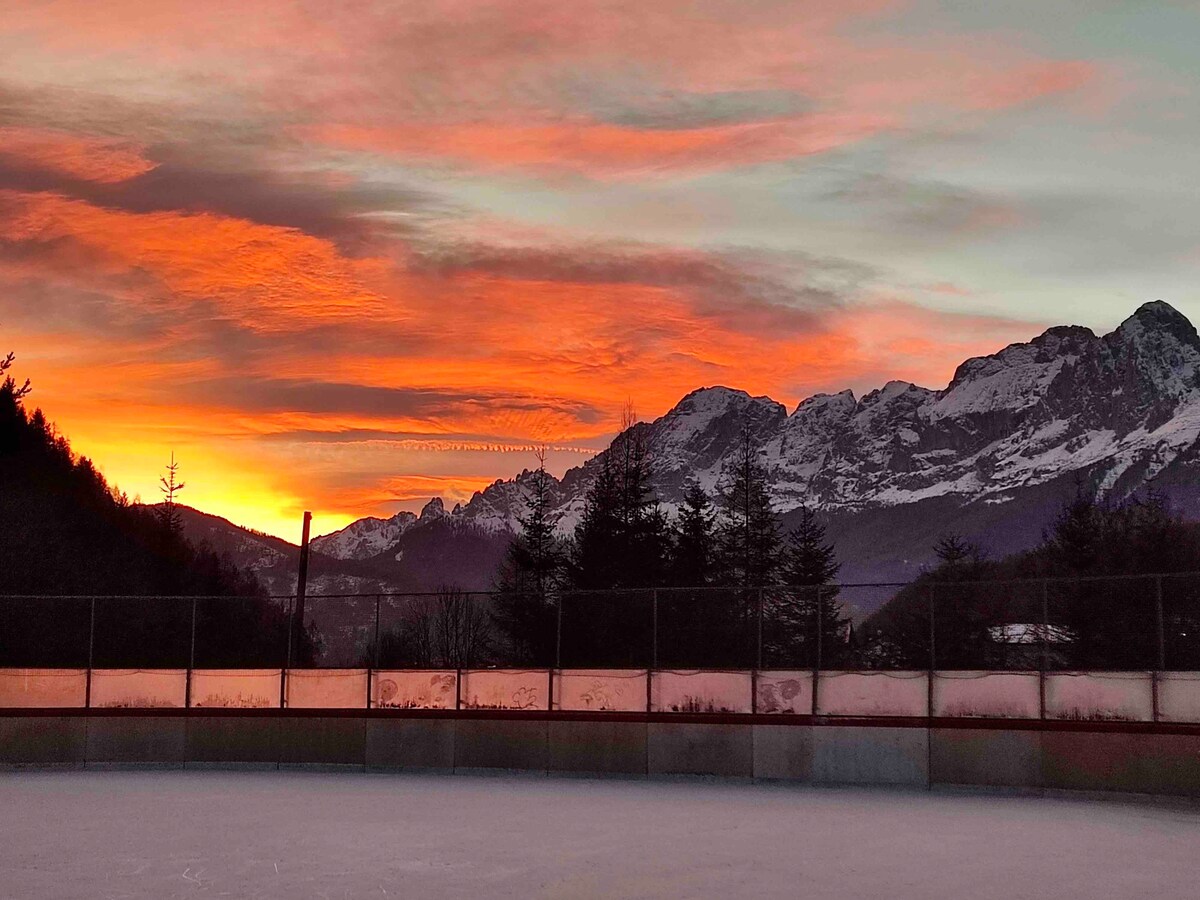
[85, 157]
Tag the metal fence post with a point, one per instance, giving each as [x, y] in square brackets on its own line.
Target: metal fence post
[816, 679]
[1045, 649]
[374, 662]
[1160, 663]
[932, 650]
[550, 664]
[87, 691]
[758, 654]
[187, 691]
[653, 648]
[287, 660]
[558, 606]
[654, 628]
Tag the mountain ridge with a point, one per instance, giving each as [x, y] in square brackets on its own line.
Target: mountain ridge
[998, 447]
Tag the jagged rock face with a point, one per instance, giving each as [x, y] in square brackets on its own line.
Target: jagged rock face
[365, 538]
[1122, 407]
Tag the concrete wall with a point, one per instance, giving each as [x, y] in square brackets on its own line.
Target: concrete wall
[999, 755]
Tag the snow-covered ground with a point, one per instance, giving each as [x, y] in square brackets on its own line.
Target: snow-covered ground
[306, 835]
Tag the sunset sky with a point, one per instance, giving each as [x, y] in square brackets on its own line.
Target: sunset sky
[347, 256]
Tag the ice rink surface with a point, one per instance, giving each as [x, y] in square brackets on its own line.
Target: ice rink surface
[298, 835]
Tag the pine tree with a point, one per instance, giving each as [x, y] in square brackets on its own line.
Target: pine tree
[168, 511]
[596, 550]
[9, 386]
[748, 546]
[622, 539]
[809, 602]
[749, 532]
[530, 575]
[1077, 535]
[621, 543]
[694, 554]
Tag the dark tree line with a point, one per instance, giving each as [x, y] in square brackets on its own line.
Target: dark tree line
[721, 568]
[65, 531]
[1083, 598]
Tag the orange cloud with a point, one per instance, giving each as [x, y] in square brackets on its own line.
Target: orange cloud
[602, 149]
[265, 277]
[85, 157]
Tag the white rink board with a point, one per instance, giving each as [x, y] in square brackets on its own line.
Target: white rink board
[1000, 695]
[42, 688]
[1179, 696]
[139, 688]
[1100, 696]
[608, 690]
[505, 688]
[785, 692]
[872, 694]
[693, 691]
[326, 688]
[413, 689]
[236, 688]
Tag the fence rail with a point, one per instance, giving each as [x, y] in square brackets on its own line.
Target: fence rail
[1136, 623]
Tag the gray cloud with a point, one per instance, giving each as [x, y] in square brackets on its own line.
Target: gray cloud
[267, 395]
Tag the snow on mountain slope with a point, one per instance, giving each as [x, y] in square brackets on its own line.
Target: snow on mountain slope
[365, 538]
[1122, 407]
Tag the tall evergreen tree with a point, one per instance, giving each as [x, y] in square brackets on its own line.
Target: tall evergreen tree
[168, 510]
[621, 543]
[622, 539]
[596, 551]
[530, 576]
[750, 542]
[694, 550]
[809, 605]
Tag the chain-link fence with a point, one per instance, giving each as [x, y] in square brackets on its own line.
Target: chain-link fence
[1121, 648]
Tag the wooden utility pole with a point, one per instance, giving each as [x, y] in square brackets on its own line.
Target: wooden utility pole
[302, 579]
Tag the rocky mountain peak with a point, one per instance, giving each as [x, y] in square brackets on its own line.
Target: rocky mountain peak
[1158, 317]
[434, 509]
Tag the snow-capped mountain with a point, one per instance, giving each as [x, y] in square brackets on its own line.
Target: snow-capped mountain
[1119, 411]
[365, 538]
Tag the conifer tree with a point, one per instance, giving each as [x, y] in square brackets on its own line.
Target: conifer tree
[531, 573]
[694, 554]
[622, 538]
[595, 557]
[168, 511]
[809, 602]
[749, 532]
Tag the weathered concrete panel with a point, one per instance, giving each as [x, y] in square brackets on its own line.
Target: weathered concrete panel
[136, 740]
[42, 741]
[600, 747]
[846, 754]
[700, 749]
[978, 756]
[501, 744]
[1137, 763]
[783, 752]
[232, 739]
[410, 744]
[322, 741]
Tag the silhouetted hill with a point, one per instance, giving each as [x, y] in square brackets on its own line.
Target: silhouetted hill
[65, 530]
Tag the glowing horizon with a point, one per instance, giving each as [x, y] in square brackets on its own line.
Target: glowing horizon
[346, 259]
